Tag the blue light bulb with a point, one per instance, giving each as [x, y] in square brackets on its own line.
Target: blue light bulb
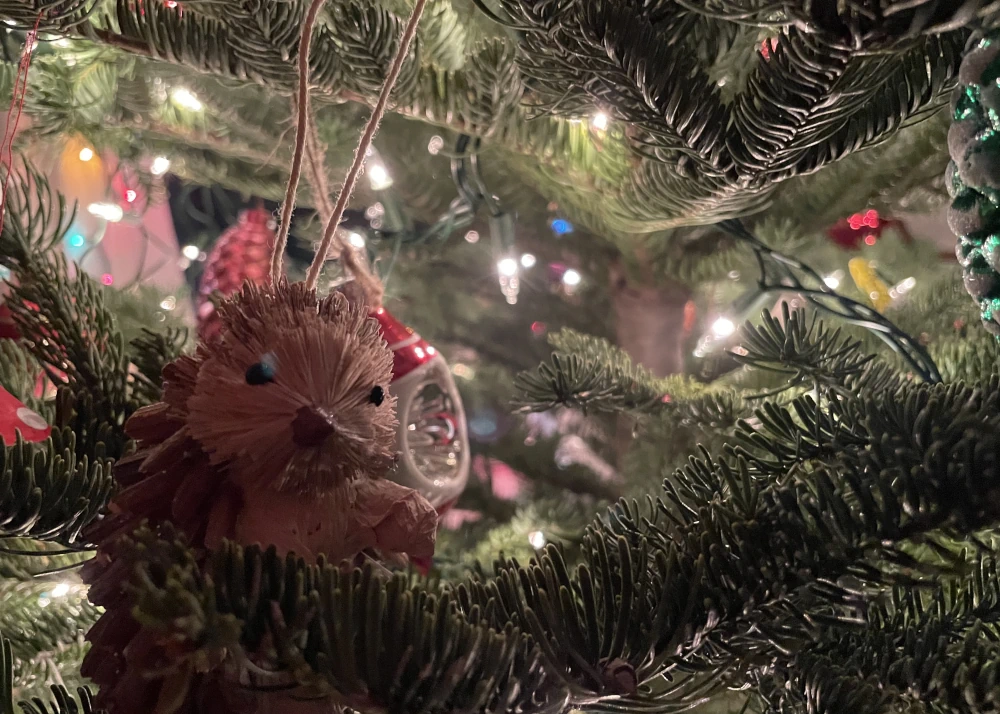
[560, 226]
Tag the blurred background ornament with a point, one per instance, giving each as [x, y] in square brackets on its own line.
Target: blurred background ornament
[15, 417]
[869, 282]
[241, 253]
[81, 171]
[433, 438]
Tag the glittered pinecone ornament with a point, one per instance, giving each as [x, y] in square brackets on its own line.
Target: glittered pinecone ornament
[433, 438]
[871, 21]
[973, 177]
[242, 252]
[278, 432]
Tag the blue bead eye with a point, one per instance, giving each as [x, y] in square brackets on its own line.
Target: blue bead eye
[261, 372]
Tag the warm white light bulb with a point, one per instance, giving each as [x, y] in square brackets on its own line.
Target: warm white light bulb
[571, 278]
[600, 121]
[60, 590]
[108, 211]
[357, 240]
[378, 177]
[191, 252]
[528, 260]
[472, 237]
[507, 267]
[537, 539]
[185, 98]
[723, 327]
[832, 282]
[160, 166]
[86, 153]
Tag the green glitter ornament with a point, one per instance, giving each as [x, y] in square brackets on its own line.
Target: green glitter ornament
[973, 177]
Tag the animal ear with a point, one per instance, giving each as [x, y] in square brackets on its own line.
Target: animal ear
[377, 396]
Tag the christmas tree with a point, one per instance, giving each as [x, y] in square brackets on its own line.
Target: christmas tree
[795, 515]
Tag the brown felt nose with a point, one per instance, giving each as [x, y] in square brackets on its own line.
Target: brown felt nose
[311, 426]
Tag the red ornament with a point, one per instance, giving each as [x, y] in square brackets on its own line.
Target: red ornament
[433, 439]
[15, 417]
[8, 330]
[867, 227]
[242, 252]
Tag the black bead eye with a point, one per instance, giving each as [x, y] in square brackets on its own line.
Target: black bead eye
[260, 373]
[377, 396]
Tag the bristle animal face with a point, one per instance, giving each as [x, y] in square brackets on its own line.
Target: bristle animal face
[285, 397]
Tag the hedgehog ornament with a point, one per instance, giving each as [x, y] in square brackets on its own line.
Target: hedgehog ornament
[278, 432]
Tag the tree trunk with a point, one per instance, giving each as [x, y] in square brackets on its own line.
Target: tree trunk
[649, 322]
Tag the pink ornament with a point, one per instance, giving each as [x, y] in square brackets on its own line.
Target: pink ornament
[433, 440]
[242, 252]
[15, 417]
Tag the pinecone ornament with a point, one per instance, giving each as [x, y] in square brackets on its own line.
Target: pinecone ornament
[242, 253]
[973, 178]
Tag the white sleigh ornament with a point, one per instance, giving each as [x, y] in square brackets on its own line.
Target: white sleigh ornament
[433, 438]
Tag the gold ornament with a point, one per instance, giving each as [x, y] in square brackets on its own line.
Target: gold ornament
[868, 282]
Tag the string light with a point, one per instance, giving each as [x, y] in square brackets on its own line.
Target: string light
[435, 145]
[379, 177]
[131, 195]
[902, 287]
[537, 539]
[472, 237]
[600, 121]
[723, 327]
[76, 240]
[357, 240]
[111, 212]
[833, 279]
[191, 252]
[86, 153]
[509, 283]
[60, 590]
[186, 99]
[108, 279]
[160, 166]
[507, 267]
[528, 260]
[571, 278]
[560, 226]
[168, 303]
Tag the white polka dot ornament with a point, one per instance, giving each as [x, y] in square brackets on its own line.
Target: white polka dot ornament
[15, 417]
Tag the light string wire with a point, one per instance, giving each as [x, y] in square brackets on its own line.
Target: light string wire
[797, 276]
